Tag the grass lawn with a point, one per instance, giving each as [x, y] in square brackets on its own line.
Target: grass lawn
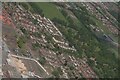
[50, 10]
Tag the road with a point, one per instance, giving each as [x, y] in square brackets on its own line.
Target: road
[30, 59]
[6, 54]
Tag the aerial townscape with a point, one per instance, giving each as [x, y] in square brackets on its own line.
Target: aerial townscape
[60, 40]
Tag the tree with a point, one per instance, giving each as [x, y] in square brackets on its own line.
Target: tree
[64, 13]
[25, 5]
[56, 20]
[36, 9]
[34, 21]
[37, 34]
[24, 31]
[42, 60]
[55, 73]
[36, 45]
[60, 70]
[71, 67]
[21, 41]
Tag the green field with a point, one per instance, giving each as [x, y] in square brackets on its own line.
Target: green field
[49, 10]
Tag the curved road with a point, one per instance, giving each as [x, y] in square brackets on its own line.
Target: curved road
[32, 60]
